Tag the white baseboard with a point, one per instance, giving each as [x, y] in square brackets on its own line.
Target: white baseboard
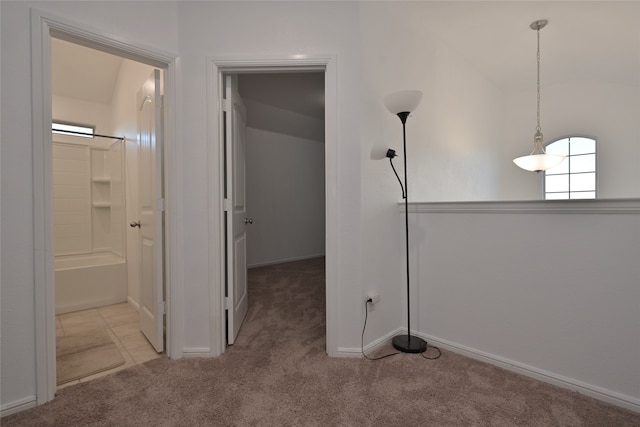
[600, 393]
[196, 352]
[590, 390]
[100, 302]
[347, 352]
[133, 303]
[369, 348]
[282, 261]
[17, 406]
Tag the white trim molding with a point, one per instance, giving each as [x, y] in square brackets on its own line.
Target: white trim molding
[44, 26]
[281, 261]
[257, 64]
[197, 352]
[17, 406]
[591, 206]
[596, 392]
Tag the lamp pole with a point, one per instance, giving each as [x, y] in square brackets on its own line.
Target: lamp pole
[401, 104]
[407, 344]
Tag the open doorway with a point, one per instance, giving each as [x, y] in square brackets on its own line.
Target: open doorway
[101, 185]
[44, 29]
[282, 146]
[285, 160]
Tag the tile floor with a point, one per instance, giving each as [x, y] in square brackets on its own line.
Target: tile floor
[121, 323]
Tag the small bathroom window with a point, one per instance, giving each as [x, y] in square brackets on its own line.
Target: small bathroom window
[73, 130]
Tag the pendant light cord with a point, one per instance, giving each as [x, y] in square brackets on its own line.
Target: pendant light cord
[538, 87]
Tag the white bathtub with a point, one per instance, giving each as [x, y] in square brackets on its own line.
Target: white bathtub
[87, 281]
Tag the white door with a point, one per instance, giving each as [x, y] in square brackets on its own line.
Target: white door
[235, 209]
[151, 211]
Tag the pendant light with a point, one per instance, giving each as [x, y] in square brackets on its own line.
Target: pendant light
[538, 160]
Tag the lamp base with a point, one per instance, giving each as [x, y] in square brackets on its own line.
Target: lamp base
[409, 344]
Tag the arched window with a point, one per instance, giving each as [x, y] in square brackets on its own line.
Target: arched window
[575, 177]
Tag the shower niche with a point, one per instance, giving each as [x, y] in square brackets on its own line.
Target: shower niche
[107, 199]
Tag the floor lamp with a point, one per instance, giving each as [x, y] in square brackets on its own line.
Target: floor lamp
[402, 104]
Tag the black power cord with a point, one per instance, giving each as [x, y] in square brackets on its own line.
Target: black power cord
[366, 315]
[364, 327]
[391, 156]
[431, 358]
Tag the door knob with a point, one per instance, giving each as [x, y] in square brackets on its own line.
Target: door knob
[248, 220]
[135, 224]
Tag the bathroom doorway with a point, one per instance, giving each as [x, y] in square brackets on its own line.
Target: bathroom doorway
[99, 277]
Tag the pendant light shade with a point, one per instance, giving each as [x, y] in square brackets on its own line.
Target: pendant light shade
[404, 101]
[538, 160]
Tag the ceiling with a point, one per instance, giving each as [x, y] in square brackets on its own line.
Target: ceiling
[86, 74]
[493, 37]
[299, 92]
[81, 73]
[587, 40]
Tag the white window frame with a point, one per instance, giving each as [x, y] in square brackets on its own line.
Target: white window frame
[569, 192]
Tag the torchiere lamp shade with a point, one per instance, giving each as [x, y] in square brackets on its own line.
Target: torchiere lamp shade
[404, 101]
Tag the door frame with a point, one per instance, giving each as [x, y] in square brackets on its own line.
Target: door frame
[217, 68]
[45, 26]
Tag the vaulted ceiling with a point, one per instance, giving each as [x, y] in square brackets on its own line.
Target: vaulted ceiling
[81, 73]
[588, 40]
[585, 40]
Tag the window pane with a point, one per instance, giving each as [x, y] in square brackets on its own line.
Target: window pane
[556, 183]
[558, 147]
[582, 145]
[557, 196]
[563, 167]
[584, 163]
[583, 195]
[583, 182]
[575, 177]
[66, 129]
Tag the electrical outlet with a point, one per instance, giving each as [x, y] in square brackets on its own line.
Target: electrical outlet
[374, 296]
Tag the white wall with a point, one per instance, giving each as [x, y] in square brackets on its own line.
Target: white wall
[379, 48]
[285, 197]
[451, 138]
[607, 112]
[71, 198]
[239, 29]
[156, 28]
[82, 112]
[279, 120]
[550, 289]
[461, 145]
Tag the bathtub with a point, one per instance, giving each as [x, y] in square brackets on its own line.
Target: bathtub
[88, 281]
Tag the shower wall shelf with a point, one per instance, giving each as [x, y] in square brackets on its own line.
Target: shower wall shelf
[100, 199]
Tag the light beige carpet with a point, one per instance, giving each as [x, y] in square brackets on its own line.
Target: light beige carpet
[278, 374]
[84, 354]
